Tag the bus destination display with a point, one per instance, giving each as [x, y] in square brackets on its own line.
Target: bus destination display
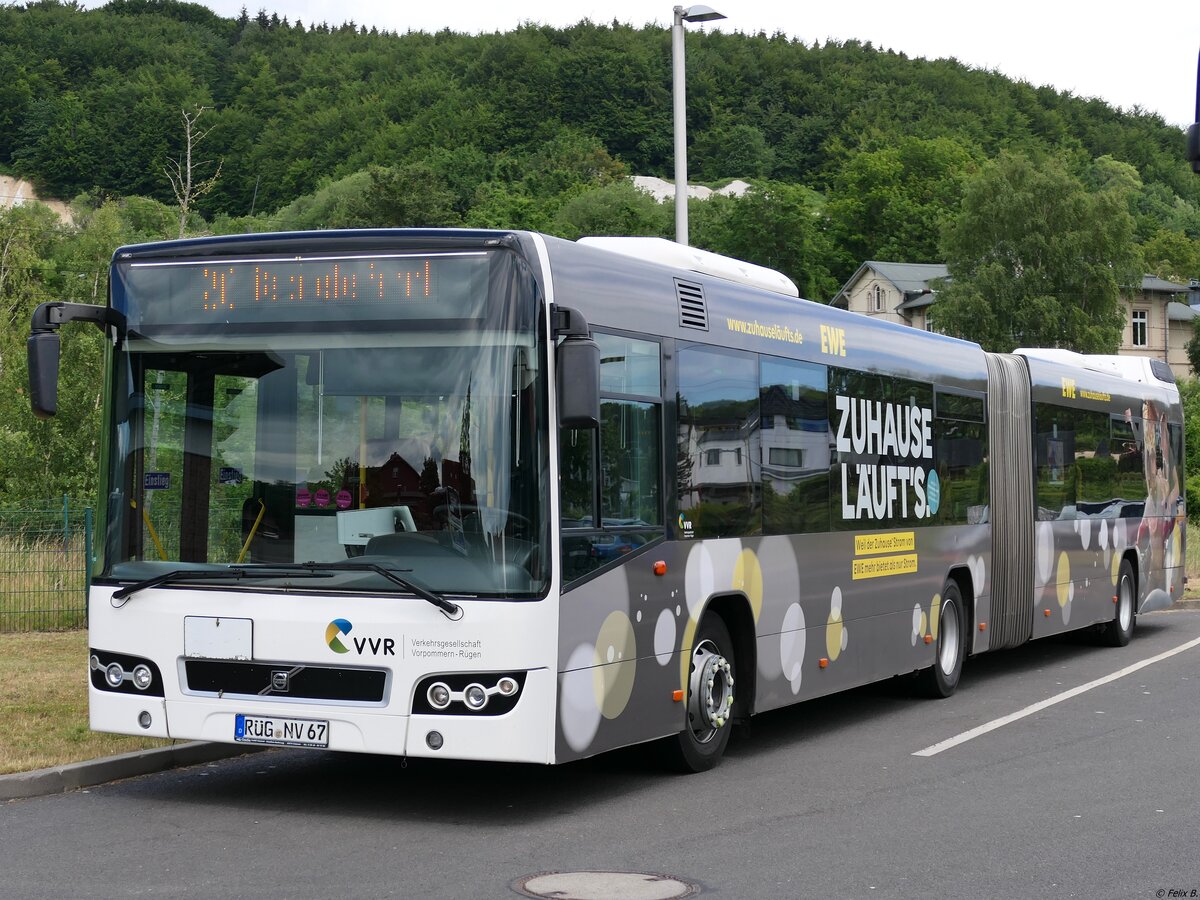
[307, 289]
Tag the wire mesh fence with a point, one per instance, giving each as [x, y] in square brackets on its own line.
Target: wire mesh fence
[44, 566]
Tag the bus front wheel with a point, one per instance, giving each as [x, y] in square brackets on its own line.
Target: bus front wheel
[941, 679]
[709, 700]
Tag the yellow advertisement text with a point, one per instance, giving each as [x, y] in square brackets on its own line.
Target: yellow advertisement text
[879, 566]
[893, 542]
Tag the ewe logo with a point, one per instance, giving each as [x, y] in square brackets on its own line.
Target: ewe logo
[337, 629]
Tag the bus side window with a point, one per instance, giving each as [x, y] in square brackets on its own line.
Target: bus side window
[1055, 440]
[960, 433]
[610, 484]
[795, 436]
[720, 474]
[1095, 466]
[577, 477]
[630, 467]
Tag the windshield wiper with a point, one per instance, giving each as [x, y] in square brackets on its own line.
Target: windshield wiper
[309, 569]
[451, 610]
[236, 573]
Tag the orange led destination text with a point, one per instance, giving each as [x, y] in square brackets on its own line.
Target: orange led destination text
[334, 284]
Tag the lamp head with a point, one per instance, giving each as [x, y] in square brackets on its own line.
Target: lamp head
[700, 14]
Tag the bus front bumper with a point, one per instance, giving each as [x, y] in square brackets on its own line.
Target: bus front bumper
[525, 734]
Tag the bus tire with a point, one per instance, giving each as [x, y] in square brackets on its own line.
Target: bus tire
[1118, 632]
[941, 679]
[709, 700]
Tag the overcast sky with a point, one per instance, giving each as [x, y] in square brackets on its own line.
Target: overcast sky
[1129, 54]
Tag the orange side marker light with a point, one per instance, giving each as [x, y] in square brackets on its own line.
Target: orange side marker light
[929, 638]
[660, 567]
[1047, 612]
[823, 662]
[983, 626]
[677, 696]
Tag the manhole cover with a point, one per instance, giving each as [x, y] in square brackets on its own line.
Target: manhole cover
[605, 886]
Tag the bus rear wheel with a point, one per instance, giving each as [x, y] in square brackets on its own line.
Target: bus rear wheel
[1118, 632]
[941, 679]
[709, 700]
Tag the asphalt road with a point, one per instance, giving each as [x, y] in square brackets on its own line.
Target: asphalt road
[1094, 797]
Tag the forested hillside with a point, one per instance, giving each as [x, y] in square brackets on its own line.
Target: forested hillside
[854, 153]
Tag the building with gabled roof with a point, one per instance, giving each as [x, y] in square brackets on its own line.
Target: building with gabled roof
[895, 291]
[1158, 314]
[1158, 323]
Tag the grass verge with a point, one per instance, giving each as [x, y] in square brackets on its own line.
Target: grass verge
[43, 704]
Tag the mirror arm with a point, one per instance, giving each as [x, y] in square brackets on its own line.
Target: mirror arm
[43, 347]
[49, 316]
[566, 322]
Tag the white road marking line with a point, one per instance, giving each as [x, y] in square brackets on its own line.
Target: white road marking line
[1050, 701]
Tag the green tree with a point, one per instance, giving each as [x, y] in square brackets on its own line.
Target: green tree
[17, 86]
[29, 237]
[613, 209]
[1037, 260]
[499, 205]
[730, 149]
[780, 226]
[1108, 174]
[1189, 395]
[55, 144]
[571, 161]
[326, 207]
[40, 260]
[1172, 255]
[892, 203]
[407, 195]
[1193, 349]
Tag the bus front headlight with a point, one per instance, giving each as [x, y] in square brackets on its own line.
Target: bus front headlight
[114, 675]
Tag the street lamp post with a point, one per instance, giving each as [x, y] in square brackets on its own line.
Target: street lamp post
[691, 14]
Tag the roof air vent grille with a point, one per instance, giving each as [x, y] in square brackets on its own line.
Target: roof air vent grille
[693, 312]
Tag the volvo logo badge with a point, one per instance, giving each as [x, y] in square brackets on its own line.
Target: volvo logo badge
[280, 679]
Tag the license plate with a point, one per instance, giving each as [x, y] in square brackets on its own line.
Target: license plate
[284, 732]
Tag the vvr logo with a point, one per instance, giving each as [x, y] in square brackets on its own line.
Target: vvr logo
[334, 632]
[339, 629]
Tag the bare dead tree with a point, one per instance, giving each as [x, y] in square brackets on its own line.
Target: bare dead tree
[182, 172]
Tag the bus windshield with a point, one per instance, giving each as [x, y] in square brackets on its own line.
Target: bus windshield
[401, 433]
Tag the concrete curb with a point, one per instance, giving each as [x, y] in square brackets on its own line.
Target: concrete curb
[58, 779]
[1189, 603]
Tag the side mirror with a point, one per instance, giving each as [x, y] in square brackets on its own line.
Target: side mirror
[579, 383]
[43, 348]
[578, 380]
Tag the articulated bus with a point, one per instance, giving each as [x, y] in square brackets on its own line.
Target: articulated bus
[499, 496]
